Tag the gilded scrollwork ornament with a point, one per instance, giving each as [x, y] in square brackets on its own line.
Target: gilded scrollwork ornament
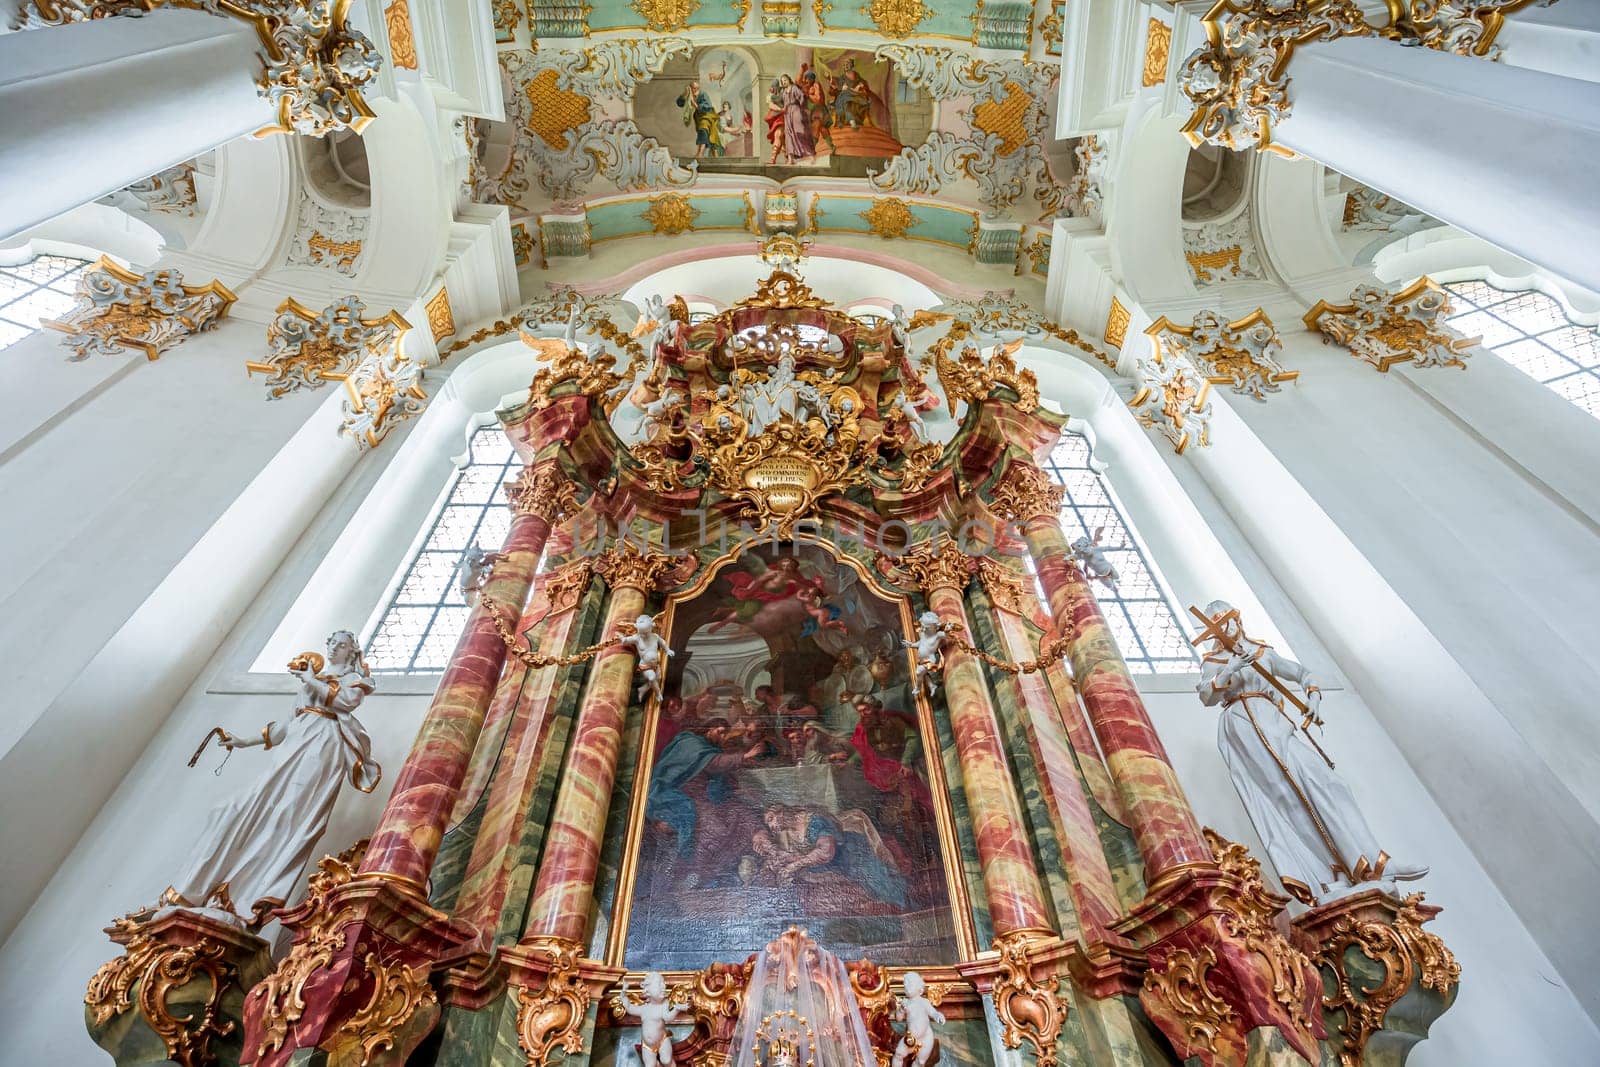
[384, 390]
[1026, 492]
[1182, 984]
[1372, 951]
[1384, 327]
[314, 63]
[1243, 354]
[1029, 1008]
[151, 972]
[307, 349]
[939, 564]
[551, 1016]
[119, 309]
[399, 993]
[543, 490]
[1173, 399]
[626, 567]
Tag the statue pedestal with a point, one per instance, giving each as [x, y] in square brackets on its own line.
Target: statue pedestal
[176, 995]
[1385, 979]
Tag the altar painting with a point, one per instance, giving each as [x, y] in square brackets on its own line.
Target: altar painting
[783, 110]
[789, 779]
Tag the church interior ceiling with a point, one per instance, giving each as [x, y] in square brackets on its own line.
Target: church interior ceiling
[892, 119]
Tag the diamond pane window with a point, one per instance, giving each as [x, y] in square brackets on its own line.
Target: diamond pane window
[419, 629]
[40, 288]
[1531, 331]
[1139, 611]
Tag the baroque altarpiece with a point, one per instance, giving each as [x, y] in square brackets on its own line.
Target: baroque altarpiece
[885, 714]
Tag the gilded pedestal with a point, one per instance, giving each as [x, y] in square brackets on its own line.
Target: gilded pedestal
[176, 995]
[1385, 979]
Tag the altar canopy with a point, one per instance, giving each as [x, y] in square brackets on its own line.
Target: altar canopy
[799, 1010]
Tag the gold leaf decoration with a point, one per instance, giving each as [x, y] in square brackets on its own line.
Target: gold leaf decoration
[554, 111]
[889, 217]
[670, 213]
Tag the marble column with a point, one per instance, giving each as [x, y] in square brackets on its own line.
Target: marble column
[564, 890]
[1501, 151]
[137, 95]
[1157, 811]
[409, 834]
[534, 696]
[1016, 896]
[1094, 894]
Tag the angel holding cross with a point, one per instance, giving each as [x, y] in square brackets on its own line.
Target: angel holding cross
[1306, 815]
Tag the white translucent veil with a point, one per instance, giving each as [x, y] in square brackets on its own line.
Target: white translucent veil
[800, 1011]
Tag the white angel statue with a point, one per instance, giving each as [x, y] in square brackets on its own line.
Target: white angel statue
[653, 654]
[929, 643]
[920, 1015]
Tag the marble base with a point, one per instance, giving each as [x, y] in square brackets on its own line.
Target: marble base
[176, 994]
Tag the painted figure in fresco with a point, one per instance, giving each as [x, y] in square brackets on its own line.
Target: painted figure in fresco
[1091, 556]
[654, 1014]
[780, 600]
[701, 114]
[889, 745]
[844, 853]
[929, 644]
[812, 744]
[689, 756]
[255, 846]
[848, 680]
[797, 142]
[817, 108]
[652, 653]
[1306, 815]
[774, 121]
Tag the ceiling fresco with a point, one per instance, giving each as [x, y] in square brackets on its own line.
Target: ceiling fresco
[895, 119]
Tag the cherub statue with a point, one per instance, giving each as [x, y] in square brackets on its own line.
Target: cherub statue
[913, 417]
[658, 413]
[474, 571]
[256, 845]
[653, 654]
[900, 325]
[929, 643]
[920, 1017]
[1315, 834]
[1091, 556]
[655, 1013]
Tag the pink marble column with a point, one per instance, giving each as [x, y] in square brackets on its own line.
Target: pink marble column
[1016, 897]
[408, 836]
[565, 885]
[1158, 813]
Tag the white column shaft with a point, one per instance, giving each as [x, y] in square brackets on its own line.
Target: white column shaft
[1563, 39]
[89, 107]
[1502, 152]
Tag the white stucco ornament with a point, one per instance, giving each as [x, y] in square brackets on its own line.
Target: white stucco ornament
[1384, 327]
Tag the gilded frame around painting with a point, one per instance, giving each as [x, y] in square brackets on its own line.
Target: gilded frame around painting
[944, 816]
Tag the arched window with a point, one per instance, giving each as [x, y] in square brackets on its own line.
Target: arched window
[426, 613]
[39, 287]
[1139, 609]
[1532, 332]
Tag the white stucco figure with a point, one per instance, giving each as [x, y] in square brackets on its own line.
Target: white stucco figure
[654, 1013]
[765, 403]
[929, 643]
[913, 417]
[474, 570]
[255, 846]
[900, 326]
[653, 654]
[1091, 556]
[1304, 812]
[920, 1016]
[659, 412]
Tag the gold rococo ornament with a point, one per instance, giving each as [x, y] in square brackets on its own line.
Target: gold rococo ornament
[1029, 1009]
[552, 1016]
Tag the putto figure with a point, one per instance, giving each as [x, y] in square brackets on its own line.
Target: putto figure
[920, 1016]
[654, 1012]
[1306, 815]
[1090, 555]
[653, 655]
[929, 643]
[255, 846]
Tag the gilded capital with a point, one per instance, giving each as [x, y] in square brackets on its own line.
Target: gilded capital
[1384, 327]
[314, 64]
[118, 310]
[938, 565]
[309, 348]
[625, 567]
[1026, 492]
[1243, 354]
[543, 490]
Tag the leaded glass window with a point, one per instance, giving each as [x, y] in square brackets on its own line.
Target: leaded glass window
[39, 288]
[427, 612]
[1532, 332]
[1138, 610]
